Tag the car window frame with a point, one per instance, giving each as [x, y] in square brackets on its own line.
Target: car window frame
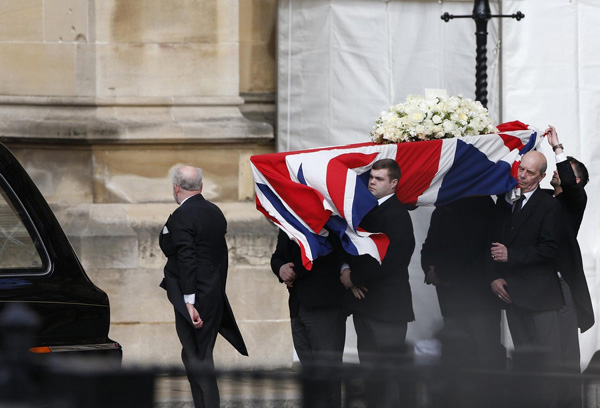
[34, 234]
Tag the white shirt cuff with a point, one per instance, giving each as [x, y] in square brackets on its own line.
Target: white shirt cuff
[344, 266]
[190, 298]
[561, 157]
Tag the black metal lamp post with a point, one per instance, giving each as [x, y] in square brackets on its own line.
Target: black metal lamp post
[481, 15]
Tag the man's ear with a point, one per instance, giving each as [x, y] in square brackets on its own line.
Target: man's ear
[578, 180]
[395, 184]
[201, 186]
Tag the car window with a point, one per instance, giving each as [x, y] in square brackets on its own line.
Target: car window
[21, 250]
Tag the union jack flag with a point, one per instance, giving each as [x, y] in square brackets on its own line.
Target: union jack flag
[311, 193]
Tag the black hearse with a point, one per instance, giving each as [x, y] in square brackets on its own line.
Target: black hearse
[40, 270]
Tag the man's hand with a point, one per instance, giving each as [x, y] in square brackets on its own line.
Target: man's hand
[287, 274]
[499, 289]
[359, 293]
[499, 252]
[431, 278]
[552, 136]
[345, 278]
[196, 320]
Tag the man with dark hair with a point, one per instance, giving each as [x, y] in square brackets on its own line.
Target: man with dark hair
[568, 182]
[193, 240]
[379, 295]
[391, 166]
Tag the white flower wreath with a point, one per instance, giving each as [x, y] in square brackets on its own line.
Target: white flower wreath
[420, 118]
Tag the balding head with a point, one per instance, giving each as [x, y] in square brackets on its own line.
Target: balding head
[187, 181]
[531, 171]
[188, 178]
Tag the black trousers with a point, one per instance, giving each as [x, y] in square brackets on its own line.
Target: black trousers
[319, 334]
[536, 337]
[536, 330]
[477, 337]
[197, 356]
[570, 394]
[380, 344]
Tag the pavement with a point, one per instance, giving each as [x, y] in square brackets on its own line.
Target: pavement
[246, 392]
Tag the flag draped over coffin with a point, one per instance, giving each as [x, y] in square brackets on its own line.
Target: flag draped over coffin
[311, 193]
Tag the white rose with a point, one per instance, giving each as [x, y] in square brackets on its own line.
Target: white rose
[431, 103]
[416, 116]
[449, 126]
[387, 116]
[476, 124]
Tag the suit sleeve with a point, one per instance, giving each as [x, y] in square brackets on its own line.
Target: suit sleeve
[428, 249]
[366, 269]
[495, 270]
[183, 239]
[224, 261]
[546, 245]
[574, 194]
[281, 255]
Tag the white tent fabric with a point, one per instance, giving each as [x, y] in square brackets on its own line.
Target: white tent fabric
[342, 62]
[351, 59]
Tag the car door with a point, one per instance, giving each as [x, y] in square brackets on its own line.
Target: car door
[39, 269]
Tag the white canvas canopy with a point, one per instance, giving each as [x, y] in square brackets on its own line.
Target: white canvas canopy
[342, 62]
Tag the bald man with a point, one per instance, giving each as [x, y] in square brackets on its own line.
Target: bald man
[525, 241]
[193, 240]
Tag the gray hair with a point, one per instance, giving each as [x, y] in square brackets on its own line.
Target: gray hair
[188, 178]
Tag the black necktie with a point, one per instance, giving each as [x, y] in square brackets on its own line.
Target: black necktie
[518, 206]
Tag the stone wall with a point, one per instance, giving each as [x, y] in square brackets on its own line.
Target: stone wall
[100, 99]
[136, 173]
[114, 48]
[118, 246]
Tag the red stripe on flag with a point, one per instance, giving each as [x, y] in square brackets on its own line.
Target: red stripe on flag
[512, 126]
[419, 162]
[306, 262]
[511, 142]
[337, 170]
[303, 200]
[514, 170]
[382, 242]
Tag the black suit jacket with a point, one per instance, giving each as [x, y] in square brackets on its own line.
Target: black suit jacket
[532, 240]
[573, 200]
[193, 240]
[389, 297]
[457, 246]
[318, 287]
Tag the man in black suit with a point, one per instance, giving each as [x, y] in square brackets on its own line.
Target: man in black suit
[193, 240]
[379, 295]
[317, 318]
[522, 273]
[454, 257]
[569, 180]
